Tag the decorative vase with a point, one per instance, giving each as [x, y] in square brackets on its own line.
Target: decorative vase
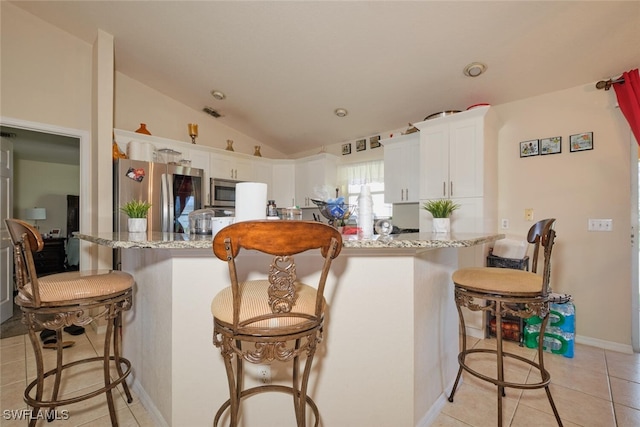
[137, 225]
[143, 129]
[229, 145]
[441, 225]
[257, 151]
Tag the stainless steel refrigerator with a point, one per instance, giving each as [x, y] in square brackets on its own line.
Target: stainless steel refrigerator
[172, 190]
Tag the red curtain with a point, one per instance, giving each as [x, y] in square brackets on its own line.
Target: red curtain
[628, 94]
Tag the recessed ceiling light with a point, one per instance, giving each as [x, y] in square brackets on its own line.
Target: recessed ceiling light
[341, 112]
[218, 95]
[474, 69]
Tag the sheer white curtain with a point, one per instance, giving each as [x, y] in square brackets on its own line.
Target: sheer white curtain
[352, 176]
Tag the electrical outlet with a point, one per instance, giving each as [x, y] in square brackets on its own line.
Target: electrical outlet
[264, 374]
[504, 223]
[600, 225]
[528, 214]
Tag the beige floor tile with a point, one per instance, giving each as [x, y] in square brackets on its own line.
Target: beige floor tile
[444, 420]
[625, 392]
[478, 406]
[11, 353]
[627, 417]
[141, 415]
[125, 419]
[529, 417]
[11, 396]
[20, 339]
[582, 379]
[625, 366]
[12, 372]
[573, 406]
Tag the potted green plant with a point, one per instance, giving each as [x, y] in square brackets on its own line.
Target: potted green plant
[137, 211]
[441, 210]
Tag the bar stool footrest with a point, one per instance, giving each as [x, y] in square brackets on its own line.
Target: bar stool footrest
[546, 377]
[54, 403]
[266, 388]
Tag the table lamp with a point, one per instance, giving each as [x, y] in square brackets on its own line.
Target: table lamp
[36, 214]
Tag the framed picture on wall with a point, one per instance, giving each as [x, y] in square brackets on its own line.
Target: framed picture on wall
[361, 145]
[581, 142]
[551, 145]
[529, 148]
[346, 148]
[374, 141]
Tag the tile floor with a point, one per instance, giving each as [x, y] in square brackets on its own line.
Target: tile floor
[595, 388]
[17, 368]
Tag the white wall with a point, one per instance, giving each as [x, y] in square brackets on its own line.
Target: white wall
[32, 190]
[594, 267]
[52, 84]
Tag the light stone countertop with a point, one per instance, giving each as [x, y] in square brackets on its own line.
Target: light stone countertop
[159, 240]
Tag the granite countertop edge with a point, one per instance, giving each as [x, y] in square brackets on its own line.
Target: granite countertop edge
[186, 241]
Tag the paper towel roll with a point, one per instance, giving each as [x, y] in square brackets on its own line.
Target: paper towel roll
[251, 201]
[139, 150]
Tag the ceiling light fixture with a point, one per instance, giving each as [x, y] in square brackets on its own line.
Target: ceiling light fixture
[474, 69]
[218, 95]
[341, 112]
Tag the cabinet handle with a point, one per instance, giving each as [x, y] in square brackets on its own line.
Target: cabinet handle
[451, 192]
[444, 189]
[406, 194]
[231, 173]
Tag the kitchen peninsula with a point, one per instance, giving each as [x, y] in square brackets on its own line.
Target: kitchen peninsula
[390, 345]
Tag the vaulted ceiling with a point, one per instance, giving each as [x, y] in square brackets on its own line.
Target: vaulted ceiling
[286, 66]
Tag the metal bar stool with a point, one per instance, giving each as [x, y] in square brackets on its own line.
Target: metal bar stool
[279, 318]
[508, 292]
[59, 300]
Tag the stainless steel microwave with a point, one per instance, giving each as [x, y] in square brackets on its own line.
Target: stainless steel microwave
[223, 192]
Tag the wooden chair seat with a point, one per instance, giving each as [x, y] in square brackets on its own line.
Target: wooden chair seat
[499, 281]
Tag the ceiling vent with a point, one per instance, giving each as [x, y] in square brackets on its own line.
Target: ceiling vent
[210, 111]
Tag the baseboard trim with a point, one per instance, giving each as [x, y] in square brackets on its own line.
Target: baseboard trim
[605, 345]
[146, 401]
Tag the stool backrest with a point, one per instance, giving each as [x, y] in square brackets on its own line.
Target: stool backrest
[26, 241]
[542, 234]
[282, 240]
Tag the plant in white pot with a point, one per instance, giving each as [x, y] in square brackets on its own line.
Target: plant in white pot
[441, 210]
[137, 211]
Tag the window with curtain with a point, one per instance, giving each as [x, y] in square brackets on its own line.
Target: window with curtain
[352, 176]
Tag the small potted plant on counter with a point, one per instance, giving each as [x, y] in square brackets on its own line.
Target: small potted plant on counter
[441, 210]
[137, 211]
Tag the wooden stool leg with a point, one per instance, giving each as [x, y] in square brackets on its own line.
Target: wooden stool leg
[117, 353]
[500, 360]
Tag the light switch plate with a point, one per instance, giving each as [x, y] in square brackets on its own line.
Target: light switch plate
[600, 225]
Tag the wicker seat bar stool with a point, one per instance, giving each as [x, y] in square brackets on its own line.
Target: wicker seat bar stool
[508, 292]
[279, 318]
[59, 300]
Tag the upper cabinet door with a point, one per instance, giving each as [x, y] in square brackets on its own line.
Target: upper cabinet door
[465, 158]
[434, 162]
[401, 169]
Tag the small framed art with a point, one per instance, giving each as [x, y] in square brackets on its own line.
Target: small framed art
[581, 142]
[361, 145]
[551, 145]
[346, 148]
[529, 148]
[374, 141]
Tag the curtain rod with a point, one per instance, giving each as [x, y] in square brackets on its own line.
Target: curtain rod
[606, 84]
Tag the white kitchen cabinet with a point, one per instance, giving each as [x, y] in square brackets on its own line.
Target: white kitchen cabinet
[401, 168]
[283, 178]
[313, 173]
[458, 155]
[231, 167]
[458, 161]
